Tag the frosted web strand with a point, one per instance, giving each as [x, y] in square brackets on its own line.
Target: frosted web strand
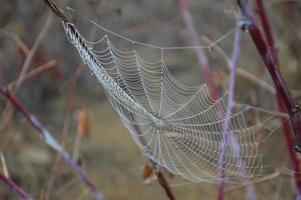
[179, 127]
[227, 34]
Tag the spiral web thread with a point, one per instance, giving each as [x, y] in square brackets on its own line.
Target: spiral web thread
[179, 127]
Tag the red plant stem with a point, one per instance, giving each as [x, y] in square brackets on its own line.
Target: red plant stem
[49, 139]
[31, 119]
[266, 28]
[195, 41]
[12, 185]
[285, 101]
[286, 127]
[165, 185]
[290, 143]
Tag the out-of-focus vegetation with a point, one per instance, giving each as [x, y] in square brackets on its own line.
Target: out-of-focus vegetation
[57, 93]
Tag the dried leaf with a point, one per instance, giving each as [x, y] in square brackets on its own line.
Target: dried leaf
[16, 28]
[220, 79]
[83, 123]
[148, 174]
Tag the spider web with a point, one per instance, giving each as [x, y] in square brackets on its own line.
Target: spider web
[177, 126]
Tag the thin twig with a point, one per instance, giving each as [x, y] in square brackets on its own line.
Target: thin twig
[161, 178]
[260, 180]
[69, 107]
[65, 129]
[195, 41]
[165, 185]
[20, 43]
[36, 70]
[242, 72]
[267, 28]
[230, 104]
[12, 185]
[51, 141]
[7, 113]
[32, 52]
[205, 68]
[285, 101]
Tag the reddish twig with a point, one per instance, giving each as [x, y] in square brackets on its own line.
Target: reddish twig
[51, 141]
[7, 113]
[165, 185]
[242, 72]
[195, 40]
[20, 43]
[285, 101]
[36, 70]
[266, 28]
[286, 127]
[32, 52]
[12, 185]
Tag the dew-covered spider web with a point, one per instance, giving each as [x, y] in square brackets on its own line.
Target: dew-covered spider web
[179, 127]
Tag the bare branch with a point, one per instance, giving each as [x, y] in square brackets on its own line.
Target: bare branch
[12, 185]
[285, 100]
[51, 141]
[195, 41]
[227, 135]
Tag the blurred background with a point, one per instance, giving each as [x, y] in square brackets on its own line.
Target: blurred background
[61, 92]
